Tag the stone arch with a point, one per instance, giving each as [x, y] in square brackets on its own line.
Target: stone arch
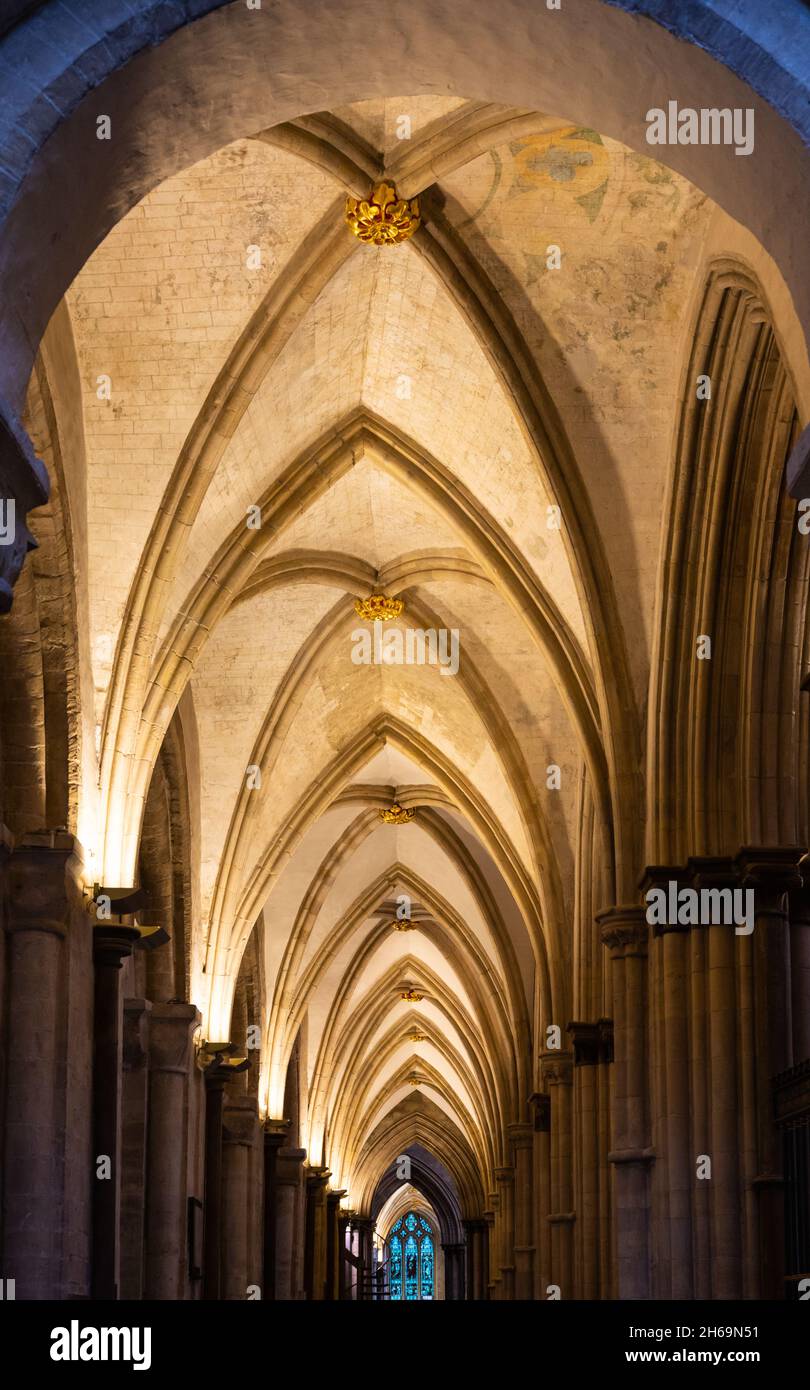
[728, 522]
[284, 67]
[418, 1120]
[431, 1178]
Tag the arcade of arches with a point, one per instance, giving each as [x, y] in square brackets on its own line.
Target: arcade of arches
[326, 965]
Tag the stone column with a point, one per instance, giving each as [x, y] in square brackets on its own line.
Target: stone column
[495, 1246]
[472, 1232]
[43, 888]
[347, 1239]
[674, 1172]
[111, 946]
[481, 1234]
[557, 1074]
[215, 1081]
[171, 1060]
[772, 874]
[275, 1135]
[540, 1104]
[592, 1047]
[334, 1253]
[625, 932]
[453, 1272]
[316, 1235]
[505, 1178]
[240, 1122]
[724, 1068]
[364, 1225]
[521, 1137]
[133, 1146]
[800, 965]
[288, 1185]
[489, 1253]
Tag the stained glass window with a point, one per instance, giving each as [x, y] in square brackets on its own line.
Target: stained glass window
[426, 1290]
[412, 1264]
[396, 1266]
[411, 1270]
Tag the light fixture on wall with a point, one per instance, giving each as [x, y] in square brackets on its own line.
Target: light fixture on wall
[220, 1059]
[396, 815]
[383, 219]
[109, 906]
[378, 608]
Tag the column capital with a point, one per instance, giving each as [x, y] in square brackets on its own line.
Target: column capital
[520, 1135]
[557, 1068]
[592, 1042]
[112, 944]
[43, 876]
[289, 1166]
[240, 1121]
[276, 1132]
[505, 1174]
[171, 1026]
[624, 930]
[711, 871]
[219, 1063]
[318, 1177]
[658, 877]
[771, 871]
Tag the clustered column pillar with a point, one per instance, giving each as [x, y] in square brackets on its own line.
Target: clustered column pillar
[593, 1052]
[772, 874]
[364, 1225]
[521, 1138]
[316, 1233]
[289, 1177]
[625, 932]
[725, 1066]
[489, 1250]
[672, 1175]
[505, 1178]
[540, 1104]
[453, 1272]
[800, 965]
[171, 1060]
[215, 1081]
[334, 1250]
[557, 1076]
[111, 946]
[275, 1134]
[473, 1280]
[43, 889]
[240, 1122]
[135, 1101]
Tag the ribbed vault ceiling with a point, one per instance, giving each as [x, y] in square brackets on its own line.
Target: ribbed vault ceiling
[407, 419]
